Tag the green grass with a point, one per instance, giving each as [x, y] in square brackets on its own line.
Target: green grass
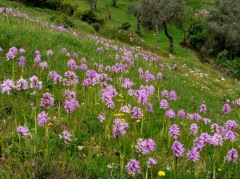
[93, 152]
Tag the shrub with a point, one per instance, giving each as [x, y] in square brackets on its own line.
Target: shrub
[89, 17]
[96, 26]
[67, 8]
[62, 20]
[197, 41]
[79, 12]
[51, 4]
[125, 26]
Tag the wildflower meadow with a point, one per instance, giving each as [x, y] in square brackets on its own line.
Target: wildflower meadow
[76, 105]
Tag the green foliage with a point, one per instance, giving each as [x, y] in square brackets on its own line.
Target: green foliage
[125, 26]
[90, 18]
[67, 8]
[80, 12]
[197, 41]
[222, 58]
[226, 65]
[223, 29]
[51, 4]
[96, 26]
[62, 20]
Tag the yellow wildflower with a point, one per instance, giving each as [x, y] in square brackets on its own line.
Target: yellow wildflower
[161, 173]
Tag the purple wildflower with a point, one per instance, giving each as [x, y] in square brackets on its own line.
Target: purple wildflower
[127, 83]
[149, 77]
[21, 61]
[203, 108]
[42, 118]
[214, 127]
[145, 146]
[151, 162]
[119, 126]
[34, 83]
[226, 108]
[75, 55]
[196, 117]
[177, 149]
[47, 101]
[55, 76]
[83, 66]
[21, 84]
[170, 114]
[165, 93]
[133, 167]
[164, 104]
[174, 131]
[108, 94]
[202, 140]
[43, 65]
[229, 135]
[71, 78]
[126, 109]
[37, 58]
[137, 113]
[7, 86]
[70, 105]
[149, 108]
[23, 131]
[49, 52]
[230, 125]
[173, 95]
[232, 156]
[64, 50]
[193, 128]
[22, 50]
[216, 140]
[181, 113]
[70, 94]
[159, 76]
[66, 136]
[144, 93]
[206, 120]
[101, 117]
[193, 155]
[72, 64]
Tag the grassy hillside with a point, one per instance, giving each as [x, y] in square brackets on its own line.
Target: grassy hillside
[63, 124]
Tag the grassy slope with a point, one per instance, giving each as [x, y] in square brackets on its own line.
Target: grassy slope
[66, 161]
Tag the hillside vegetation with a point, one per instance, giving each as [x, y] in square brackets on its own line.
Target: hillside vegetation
[77, 105]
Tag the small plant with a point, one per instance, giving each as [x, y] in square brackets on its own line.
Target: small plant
[125, 26]
[96, 26]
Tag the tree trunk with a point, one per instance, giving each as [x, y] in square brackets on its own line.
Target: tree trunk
[170, 38]
[108, 15]
[95, 5]
[114, 3]
[157, 35]
[138, 31]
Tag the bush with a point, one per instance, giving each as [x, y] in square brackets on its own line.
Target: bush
[62, 20]
[222, 58]
[67, 8]
[96, 26]
[79, 12]
[91, 18]
[51, 4]
[125, 26]
[197, 41]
